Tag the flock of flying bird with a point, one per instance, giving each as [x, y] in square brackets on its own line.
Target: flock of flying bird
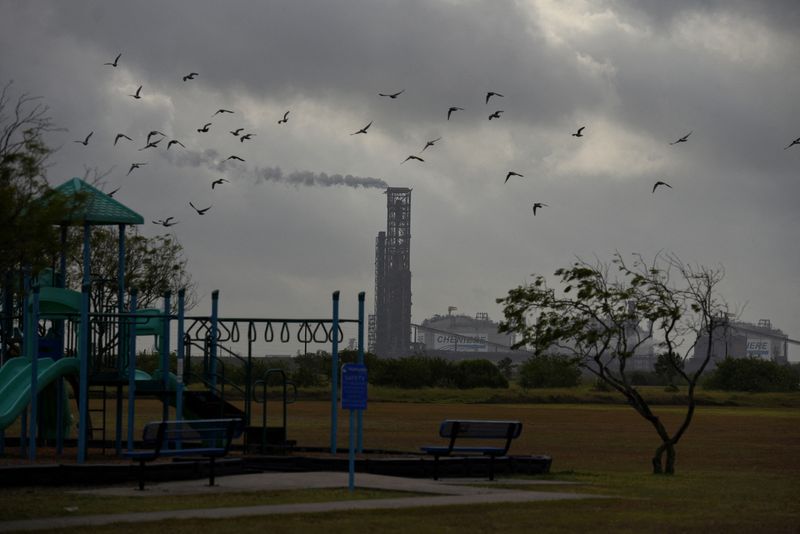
[155, 137]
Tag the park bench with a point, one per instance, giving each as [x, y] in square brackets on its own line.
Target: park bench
[207, 438]
[455, 430]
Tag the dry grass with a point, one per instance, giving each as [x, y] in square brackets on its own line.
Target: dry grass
[737, 470]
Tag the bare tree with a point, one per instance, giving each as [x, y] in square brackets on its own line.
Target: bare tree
[605, 313]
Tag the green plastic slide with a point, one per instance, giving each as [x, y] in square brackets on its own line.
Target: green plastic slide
[15, 383]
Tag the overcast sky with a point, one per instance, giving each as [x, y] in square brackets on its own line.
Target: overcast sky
[291, 227]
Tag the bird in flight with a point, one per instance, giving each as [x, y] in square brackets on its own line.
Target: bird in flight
[452, 109]
[538, 205]
[285, 118]
[199, 210]
[190, 76]
[137, 95]
[429, 143]
[218, 181]
[120, 136]
[85, 141]
[237, 131]
[496, 114]
[660, 183]
[204, 128]
[166, 222]
[112, 193]
[237, 158]
[135, 166]
[490, 94]
[579, 133]
[392, 95]
[512, 173]
[114, 63]
[154, 132]
[175, 142]
[363, 130]
[152, 144]
[222, 111]
[682, 139]
[246, 137]
[412, 157]
[795, 142]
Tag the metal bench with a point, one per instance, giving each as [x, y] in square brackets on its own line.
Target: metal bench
[455, 430]
[208, 438]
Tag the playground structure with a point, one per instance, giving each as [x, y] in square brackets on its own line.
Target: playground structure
[66, 342]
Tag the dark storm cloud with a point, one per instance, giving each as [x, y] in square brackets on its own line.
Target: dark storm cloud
[779, 14]
[637, 74]
[254, 47]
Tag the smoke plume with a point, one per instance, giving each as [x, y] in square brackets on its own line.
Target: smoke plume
[211, 160]
[308, 178]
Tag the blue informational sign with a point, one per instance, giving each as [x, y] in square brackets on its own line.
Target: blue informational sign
[354, 386]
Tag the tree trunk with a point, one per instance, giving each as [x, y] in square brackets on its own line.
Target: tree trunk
[663, 466]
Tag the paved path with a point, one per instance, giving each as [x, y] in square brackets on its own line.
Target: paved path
[447, 492]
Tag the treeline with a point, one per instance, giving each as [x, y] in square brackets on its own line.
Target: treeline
[314, 370]
[540, 371]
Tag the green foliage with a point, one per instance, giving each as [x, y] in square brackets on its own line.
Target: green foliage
[605, 314]
[506, 366]
[412, 372]
[471, 374]
[153, 265]
[311, 370]
[668, 366]
[752, 374]
[29, 208]
[549, 371]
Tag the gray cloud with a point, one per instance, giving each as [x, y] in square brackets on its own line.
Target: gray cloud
[638, 74]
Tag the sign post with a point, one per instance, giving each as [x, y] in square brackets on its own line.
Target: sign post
[354, 398]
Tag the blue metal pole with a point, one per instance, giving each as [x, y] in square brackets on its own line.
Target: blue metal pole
[165, 343]
[26, 353]
[360, 424]
[132, 368]
[181, 354]
[83, 348]
[334, 369]
[60, 328]
[34, 349]
[351, 462]
[120, 334]
[212, 364]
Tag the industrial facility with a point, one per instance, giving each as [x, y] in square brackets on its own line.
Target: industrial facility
[746, 340]
[391, 333]
[458, 336]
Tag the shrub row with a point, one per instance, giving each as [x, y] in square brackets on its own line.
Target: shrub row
[751, 374]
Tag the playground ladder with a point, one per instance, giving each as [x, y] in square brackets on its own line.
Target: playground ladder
[98, 392]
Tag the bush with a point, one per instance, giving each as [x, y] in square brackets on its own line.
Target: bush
[549, 371]
[754, 375]
[411, 372]
[478, 374]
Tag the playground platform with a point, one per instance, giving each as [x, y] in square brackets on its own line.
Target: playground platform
[105, 470]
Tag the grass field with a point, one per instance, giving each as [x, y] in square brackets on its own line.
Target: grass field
[738, 470]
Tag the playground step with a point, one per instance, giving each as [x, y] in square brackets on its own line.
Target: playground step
[208, 404]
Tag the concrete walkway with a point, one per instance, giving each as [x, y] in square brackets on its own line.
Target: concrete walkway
[441, 493]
